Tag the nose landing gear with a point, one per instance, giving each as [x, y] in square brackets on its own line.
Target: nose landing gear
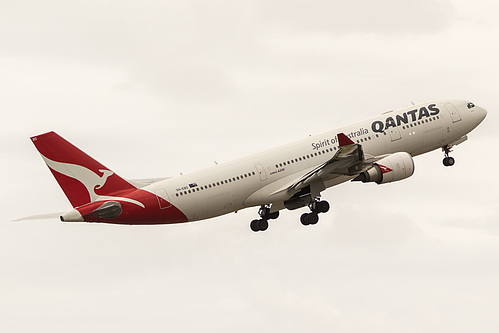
[448, 161]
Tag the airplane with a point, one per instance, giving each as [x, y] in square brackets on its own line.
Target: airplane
[378, 150]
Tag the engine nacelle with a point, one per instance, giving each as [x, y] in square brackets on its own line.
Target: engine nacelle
[392, 168]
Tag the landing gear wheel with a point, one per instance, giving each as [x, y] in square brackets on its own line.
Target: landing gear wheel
[449, 161]
[265, 215]
[313, 218]
[263, 224]
[273, 216]
[254, 225]
[322, 207]
[259, 225]
[304, 219]
[309, 218]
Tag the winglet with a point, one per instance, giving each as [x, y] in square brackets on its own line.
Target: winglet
[344, 140]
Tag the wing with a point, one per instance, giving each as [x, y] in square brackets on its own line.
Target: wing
[349, 160]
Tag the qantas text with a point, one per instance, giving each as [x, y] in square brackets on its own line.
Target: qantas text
[405, 118]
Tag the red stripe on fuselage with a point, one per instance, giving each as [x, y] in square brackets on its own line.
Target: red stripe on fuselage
[132, 213]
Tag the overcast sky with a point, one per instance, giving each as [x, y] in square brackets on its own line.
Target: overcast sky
[155, 88]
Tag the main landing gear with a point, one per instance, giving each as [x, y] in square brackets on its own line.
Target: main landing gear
[263, 223]
[448, 161]
[316, 207]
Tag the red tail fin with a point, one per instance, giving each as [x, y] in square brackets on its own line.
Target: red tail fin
[81, 177]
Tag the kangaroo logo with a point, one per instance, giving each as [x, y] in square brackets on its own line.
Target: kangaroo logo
[384, 169]
[88, 178]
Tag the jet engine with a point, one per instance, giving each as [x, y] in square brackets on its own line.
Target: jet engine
[389, 169]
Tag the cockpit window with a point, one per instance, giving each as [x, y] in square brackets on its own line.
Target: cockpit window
[471, 105]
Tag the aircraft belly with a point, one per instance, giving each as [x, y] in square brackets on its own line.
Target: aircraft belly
[207, 205]
[270, 193]
[433, 137]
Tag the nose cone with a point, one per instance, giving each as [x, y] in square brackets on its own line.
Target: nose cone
[481, 114]
[484, 112]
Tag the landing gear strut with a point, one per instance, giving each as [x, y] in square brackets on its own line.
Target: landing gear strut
[263, 223]
[448, 161]
[316, 207]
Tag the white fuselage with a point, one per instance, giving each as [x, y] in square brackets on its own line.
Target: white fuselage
[256, 179]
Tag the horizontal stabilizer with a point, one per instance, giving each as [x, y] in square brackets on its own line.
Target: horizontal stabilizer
[139, 183]
[40, 217]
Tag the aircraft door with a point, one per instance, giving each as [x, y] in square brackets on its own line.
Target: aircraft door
[394, 133]
[261, 172]
[454, 114]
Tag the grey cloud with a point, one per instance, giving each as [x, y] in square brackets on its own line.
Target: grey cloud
[387, 17]
[195, 51]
